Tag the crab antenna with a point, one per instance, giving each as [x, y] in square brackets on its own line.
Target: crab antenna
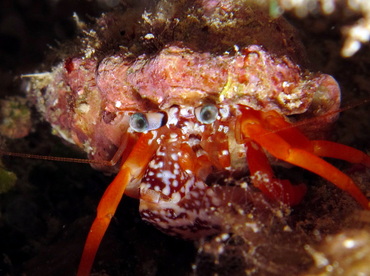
[54, 158]
[314, 119]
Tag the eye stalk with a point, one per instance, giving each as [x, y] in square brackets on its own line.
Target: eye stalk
[207, 113]
[141, 122]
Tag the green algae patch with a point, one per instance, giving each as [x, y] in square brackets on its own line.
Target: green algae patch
[7, 180]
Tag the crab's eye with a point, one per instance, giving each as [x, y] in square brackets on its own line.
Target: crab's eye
[207, 113]
[141, 122]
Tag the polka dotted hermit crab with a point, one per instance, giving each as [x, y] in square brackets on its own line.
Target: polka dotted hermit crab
[184, 121]
[174, 145]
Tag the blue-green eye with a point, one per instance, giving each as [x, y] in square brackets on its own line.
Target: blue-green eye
[206, 114]
[141, 122]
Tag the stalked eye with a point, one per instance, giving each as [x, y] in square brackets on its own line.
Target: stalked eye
[206, 114]
[141, 122]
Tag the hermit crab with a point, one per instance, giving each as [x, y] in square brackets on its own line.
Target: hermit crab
[195, 121]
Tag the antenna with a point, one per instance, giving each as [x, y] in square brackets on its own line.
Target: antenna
[314, 119]
[117, 156]
[54, 158]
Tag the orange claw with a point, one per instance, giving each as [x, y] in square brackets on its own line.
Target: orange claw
[131, 169]
[300, 153]
[263, 178]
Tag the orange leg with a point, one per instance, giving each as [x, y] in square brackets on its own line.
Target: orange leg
[132, 168]
[281, 149]
[263, 178]
[339, 151]
[273, 120]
